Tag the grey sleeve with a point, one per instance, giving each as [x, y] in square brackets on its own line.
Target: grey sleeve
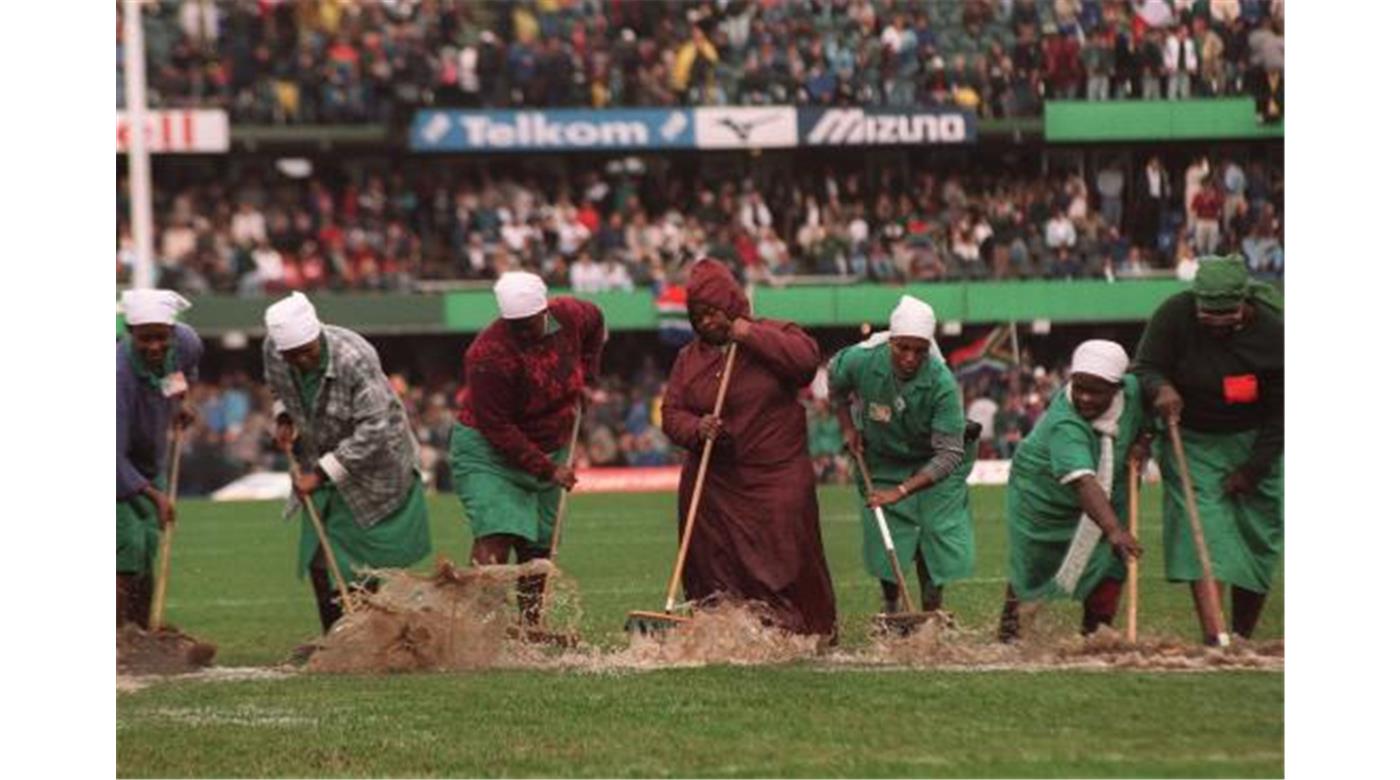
[947, 456]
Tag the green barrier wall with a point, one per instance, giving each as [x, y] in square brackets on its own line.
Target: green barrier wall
[971, 302]
[1153, 120]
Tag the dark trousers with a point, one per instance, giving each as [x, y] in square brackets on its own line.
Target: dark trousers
[931, 596]
[328, 605]
[496, 549]
[134, 599]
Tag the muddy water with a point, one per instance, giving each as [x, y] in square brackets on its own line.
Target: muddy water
[463, 619]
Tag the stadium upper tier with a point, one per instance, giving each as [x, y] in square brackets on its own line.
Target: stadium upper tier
[375, 61]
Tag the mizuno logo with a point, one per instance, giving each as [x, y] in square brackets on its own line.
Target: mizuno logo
[855, 126]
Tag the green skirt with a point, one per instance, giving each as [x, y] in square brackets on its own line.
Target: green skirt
[936, 523]
[1244, 535]
[1036, 546]
[497, 497]
[399, 540]
[138, 535]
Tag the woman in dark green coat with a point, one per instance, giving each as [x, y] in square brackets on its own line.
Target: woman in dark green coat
[1212, 360]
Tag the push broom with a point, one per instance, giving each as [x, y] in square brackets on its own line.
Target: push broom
[1213, 616]
[644, 622]
[901, 623]
[167, 534]
[535, 633]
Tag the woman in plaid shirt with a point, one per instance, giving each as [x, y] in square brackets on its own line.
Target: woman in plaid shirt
[333, 399]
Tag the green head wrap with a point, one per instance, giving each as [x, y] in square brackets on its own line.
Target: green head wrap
[1223, 283]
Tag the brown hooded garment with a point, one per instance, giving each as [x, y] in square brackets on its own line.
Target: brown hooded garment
[756, 534]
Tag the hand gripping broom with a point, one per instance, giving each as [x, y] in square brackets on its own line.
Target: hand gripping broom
[645, 622]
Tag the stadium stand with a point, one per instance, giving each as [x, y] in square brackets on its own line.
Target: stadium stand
[261, 232]
[331, 61]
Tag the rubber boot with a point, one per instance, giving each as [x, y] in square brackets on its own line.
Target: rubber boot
[124, 596]
[1245, 608]
[889, 600]
[134, 600]
[328, 606]
[1101, 606]
[529, 590]
[1009, 629]
[930, 595]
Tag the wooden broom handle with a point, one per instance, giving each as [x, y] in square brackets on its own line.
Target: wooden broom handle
[1217, 613]
[889, 552]
[560, 511]
[676, 570]
[320, 528]
[167, 534]
[564, 494]
[1132, 561]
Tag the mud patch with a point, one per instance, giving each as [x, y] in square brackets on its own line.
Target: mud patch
[938, 646]
[167, 651]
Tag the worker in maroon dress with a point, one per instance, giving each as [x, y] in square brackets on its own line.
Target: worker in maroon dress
[756, 534]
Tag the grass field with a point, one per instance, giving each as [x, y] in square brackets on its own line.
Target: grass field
[234, 584]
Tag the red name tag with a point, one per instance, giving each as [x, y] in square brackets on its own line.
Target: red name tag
[1241, 389]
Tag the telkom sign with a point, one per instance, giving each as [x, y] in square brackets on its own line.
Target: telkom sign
[883, 127]
[557, 130]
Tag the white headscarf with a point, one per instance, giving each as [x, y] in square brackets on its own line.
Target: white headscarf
[292, 322]
[520, 294]
[1102, 358]
[913, 317]
[152, 307]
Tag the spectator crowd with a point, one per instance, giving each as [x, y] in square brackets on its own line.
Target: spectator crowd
[620, 229]
[358, 61]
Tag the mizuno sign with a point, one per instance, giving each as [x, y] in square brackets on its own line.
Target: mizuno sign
[859, 127]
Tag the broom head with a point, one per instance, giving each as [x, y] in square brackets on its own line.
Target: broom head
[651, 623]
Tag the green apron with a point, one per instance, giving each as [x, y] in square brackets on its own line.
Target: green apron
[897, 420]
[936, 523]
[498, 497]
[138, 534]
[1243, 534]
[398, 541]
[1042, 512]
